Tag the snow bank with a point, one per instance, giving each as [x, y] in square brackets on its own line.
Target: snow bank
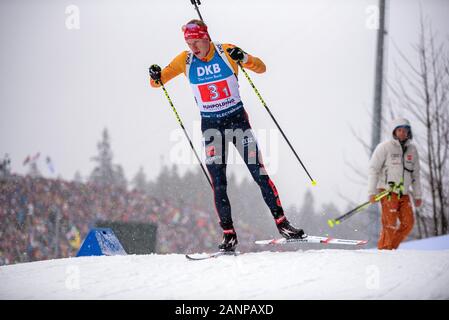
[434, 243]
[314, 274]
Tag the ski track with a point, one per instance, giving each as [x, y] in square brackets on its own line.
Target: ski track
[312, 274]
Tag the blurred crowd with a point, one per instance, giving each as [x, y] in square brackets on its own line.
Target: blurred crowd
[48, 218]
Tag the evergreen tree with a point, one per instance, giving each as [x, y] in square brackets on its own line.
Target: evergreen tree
[119, 177]
[77, 177]
[249, 206]
[162, 187]
[308, 207]
[330, 209]
[177, 193]
[139, 181]
[307, 214]
[5, 167]
[106, 173]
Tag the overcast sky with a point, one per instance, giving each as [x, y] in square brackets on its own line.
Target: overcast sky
[60, 87]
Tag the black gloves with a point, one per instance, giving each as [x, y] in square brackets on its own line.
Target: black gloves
[237, 54]
[155, 72]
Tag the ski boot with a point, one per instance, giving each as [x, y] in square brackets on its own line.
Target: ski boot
[229, 240]
[287, 230]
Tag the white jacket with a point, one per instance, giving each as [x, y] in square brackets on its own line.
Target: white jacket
[390, 164]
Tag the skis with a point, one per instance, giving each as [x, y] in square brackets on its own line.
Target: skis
[308, 239]
[204, 256]
[313, 239]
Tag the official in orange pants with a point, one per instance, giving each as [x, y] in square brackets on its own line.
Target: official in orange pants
[395, 209]
[395, 162]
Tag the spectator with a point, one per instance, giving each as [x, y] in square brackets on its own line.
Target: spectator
[29, 208]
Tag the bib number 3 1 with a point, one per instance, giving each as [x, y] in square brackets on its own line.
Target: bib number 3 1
[214, 91]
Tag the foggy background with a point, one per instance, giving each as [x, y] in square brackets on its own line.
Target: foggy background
[61, 87]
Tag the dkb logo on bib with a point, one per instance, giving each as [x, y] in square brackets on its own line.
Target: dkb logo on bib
[208, 70]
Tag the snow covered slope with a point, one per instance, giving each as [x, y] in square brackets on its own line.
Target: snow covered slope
[314, 274]
[433, 243]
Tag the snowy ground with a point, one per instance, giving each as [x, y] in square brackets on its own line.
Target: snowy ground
[314, 274]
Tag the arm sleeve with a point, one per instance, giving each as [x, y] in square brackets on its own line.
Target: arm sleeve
[175, 67]
[375, 167]
[416, 178]
[253, 63]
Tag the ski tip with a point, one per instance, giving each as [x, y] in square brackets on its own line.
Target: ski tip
[313, 182]
[270, 241]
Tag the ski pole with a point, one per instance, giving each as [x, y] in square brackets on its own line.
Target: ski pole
[332, 222]
[185, 133]
[274, 120]
[196, 3]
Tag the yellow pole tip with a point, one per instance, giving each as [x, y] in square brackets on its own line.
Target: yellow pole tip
[330, 222]
[313, 183]
[337, 222]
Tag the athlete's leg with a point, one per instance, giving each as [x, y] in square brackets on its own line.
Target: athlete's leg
[216, 165]
[244, 140]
